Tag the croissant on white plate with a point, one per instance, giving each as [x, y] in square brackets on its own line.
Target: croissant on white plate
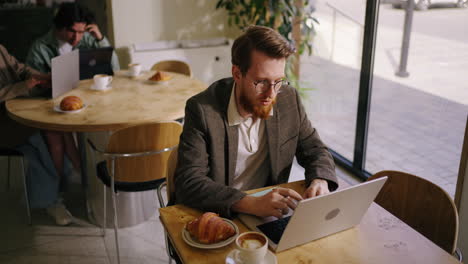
[210, 228]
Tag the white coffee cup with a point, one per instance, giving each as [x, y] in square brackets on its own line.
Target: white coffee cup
[101, 81]
[134, 69]
[252, 247]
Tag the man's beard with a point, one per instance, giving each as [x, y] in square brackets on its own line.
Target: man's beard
[257, 111]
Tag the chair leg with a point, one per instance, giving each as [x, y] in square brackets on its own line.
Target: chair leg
[104, 211]
[168, 251]
[9, 173]
[116, 224]
[26, 196]
[159, 193]
[161, 204]
[458, 254]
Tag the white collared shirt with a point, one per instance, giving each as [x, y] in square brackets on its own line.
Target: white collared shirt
[253, 166]
[64, 47]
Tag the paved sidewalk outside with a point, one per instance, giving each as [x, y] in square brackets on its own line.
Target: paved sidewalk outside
[416, 124]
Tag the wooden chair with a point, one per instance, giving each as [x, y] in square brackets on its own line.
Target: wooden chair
[170, 190]
[173, 66]
[422, 205]
[169, 183]
[136, 161]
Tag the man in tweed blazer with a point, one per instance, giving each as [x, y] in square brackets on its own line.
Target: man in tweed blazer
[244, 132]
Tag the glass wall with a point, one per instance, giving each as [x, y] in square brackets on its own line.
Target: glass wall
[417, 122]
[333, 71]
[414, 124]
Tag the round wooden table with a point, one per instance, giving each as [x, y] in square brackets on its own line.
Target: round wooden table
[130, 101]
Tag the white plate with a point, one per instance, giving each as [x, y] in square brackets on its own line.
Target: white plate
[128, 74]
[232, 258]
[57, 109]
[108, 87]
[157, 82]
[194, 243]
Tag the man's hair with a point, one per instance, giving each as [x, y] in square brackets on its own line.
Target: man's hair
[71, 13]
[259, 38]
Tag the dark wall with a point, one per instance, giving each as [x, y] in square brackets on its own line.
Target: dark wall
[19, 27]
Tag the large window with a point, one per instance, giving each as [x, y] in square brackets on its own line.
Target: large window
[333, 74]
[373, 119]
[417, 122]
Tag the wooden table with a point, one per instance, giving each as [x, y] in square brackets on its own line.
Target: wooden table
[379, 238]
[130, 101]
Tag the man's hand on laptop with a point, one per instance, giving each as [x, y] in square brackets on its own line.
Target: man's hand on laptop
[317, 187]
[275, 203]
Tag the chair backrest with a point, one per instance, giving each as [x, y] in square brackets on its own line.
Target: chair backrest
[142, 138]
[171, 166]
[173, 66]
[421, 204]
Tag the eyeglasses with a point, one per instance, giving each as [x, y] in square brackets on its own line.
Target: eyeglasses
[264, 86]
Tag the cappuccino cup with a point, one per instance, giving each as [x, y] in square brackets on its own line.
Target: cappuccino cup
[252, 247]
[102, 81]
[134, 69]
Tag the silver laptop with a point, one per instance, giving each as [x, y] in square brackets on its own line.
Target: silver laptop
[316, 217]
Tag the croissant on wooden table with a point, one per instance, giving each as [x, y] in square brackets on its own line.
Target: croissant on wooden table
[210, 228]
[70, 103]
[160, 76]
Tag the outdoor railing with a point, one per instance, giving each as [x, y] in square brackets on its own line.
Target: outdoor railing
[343, 14]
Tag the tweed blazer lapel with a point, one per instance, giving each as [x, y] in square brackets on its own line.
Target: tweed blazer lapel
[231, 132]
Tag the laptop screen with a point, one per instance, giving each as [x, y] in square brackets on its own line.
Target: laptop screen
[274, 229]
[95, 61]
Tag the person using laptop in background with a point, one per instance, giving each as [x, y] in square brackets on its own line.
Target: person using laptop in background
[17, 79]
[74, 28]
[243, 133]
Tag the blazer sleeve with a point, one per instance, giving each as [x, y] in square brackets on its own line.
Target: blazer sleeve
[194, 186]
[312, 154]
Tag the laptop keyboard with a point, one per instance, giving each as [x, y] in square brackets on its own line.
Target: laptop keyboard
[274, 229]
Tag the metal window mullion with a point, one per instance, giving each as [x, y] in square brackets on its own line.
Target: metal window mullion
[365, 84]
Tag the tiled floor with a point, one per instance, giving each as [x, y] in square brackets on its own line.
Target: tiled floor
[44, 242]
[81, 243]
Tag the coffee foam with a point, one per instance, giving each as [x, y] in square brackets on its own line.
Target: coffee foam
[252, 241]
[252, 244]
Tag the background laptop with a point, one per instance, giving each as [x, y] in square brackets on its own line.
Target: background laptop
[317, 217]
[95, 61]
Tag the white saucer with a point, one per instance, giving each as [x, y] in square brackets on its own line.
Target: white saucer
[157, 82]
[231, 258]
[108, 87]
[131, 75]
[57, 109]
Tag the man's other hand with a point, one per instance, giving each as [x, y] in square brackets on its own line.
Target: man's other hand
[44, 80]
[317, 187]
[275, 203]
[93, 29]
[32, 82]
